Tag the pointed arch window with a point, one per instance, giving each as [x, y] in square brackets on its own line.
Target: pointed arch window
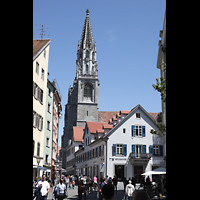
[87, 54]
[88, 90]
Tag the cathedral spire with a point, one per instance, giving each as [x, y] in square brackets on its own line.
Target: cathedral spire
[87, 38]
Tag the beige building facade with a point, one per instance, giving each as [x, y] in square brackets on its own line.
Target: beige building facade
[40, 73]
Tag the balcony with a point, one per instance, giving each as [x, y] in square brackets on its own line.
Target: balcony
[139, 156]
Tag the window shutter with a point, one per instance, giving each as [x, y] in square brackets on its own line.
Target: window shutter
[151, 150]
[143, 148]
[133, 130]
[143, 131]
[114, 150]
[133, 150]
[161, 150]
[125, 149]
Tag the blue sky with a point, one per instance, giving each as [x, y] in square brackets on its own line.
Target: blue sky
[126, 34]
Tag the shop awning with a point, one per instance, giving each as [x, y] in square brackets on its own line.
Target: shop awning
[40, 168]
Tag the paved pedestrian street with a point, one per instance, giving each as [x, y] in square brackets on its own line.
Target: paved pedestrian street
[73, 194]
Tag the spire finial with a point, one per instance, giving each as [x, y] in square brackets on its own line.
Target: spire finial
[87, 11]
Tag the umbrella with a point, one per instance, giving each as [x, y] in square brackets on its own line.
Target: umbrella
[160, 170]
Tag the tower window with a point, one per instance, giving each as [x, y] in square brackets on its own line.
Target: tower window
[87, 54]
[88, 91]
[87, 69]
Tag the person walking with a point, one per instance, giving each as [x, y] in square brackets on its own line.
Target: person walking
[61, 190]
[115, 183]
[44, 188]
[108, 192]
[130, 190]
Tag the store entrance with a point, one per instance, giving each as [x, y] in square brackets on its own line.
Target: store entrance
[119, 172]
[138, 170]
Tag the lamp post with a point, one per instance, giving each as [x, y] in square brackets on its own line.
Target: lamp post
[38, 162]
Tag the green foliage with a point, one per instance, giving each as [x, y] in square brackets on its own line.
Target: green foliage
[161, 127]
[161, 85]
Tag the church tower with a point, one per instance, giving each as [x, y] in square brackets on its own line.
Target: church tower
[83, 97]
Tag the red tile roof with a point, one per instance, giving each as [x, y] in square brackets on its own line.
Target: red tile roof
[78, 133]
[100, 131]
[107, 126]
[105, 116]
[154, 115]
[38, 44]
[126, 112]
[93, 126]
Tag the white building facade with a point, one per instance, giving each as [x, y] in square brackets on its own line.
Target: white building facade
[124, 147]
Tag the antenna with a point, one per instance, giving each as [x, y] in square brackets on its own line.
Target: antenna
[42, 31]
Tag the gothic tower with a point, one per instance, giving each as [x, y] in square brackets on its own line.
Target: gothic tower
[83, 97]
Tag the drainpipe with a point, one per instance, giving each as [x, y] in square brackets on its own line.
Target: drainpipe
[106, 139]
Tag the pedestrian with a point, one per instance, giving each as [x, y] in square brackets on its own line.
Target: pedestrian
[67, 182]
[133, 181]
[125, 182]
[95, 182]
[141, 195]
[44, 188]
[115, 182]
[55, 180]
[37, 193]
[130, 190]
[108, 192]
[79, 189]
[73, 184]
[101, 184]
[61, 190]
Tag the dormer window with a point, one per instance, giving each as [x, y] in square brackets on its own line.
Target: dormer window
[137, 115]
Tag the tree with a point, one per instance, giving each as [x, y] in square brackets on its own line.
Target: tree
[160, 87]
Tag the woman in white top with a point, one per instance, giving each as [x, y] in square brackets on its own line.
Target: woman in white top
[61, 190]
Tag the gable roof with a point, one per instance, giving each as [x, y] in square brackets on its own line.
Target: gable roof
[78, 134]
[38, 46]
[128, 116]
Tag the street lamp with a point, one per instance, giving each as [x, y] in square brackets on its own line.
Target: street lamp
[38, 162]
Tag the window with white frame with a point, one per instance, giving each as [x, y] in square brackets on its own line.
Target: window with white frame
[119, 149]
[138, 150]
[138, 130]
[155, 150]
